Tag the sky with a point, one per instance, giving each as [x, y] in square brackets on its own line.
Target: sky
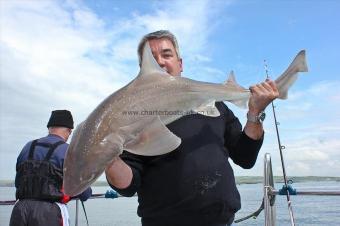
[72, 54]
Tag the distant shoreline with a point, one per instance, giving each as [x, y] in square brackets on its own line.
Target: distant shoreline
[279, 179]
[239, 180]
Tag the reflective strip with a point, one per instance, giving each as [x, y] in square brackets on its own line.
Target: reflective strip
[64, 213]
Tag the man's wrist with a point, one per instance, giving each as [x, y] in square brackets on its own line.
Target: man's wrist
[256, 118]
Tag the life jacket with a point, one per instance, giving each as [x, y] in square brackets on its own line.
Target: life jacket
[40, 179]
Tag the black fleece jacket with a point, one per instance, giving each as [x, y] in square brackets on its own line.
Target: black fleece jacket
[194, 184]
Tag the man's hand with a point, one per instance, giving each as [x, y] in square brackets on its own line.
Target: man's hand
[118, 173]
[262, 95]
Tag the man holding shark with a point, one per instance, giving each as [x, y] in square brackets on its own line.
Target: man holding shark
[194, 184]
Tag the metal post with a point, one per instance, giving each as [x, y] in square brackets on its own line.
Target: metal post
[269, 200]
[77, 211]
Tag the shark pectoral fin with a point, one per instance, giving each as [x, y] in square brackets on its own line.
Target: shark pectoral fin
[154, 139]
[111, 146]
[208, 109]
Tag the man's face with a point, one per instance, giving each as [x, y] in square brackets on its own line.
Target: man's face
[166, 56]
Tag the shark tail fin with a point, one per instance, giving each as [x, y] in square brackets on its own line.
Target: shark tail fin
[289, 76]
[231, 82]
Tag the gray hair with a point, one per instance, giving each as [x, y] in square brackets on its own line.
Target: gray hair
[157, 35]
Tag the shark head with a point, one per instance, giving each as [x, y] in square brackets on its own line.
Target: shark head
[87, 156]
[73, 182]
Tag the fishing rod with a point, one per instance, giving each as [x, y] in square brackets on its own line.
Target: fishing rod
[281, 147]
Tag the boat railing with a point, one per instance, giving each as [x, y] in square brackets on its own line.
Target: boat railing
[268, 201]
[270, 193]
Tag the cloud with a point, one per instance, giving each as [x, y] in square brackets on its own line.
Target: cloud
[191, 22]
[63, 55]
[309, 129]
[45, 65]
[310, 103]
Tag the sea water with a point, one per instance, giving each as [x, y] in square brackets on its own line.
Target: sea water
[308, 210]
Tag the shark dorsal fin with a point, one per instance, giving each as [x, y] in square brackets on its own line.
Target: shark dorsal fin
[231, 83]
[149, 63]
[231, 78]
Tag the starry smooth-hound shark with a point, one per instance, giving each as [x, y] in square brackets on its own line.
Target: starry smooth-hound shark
[134, 118]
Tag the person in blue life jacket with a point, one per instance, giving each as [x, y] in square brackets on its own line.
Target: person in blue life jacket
[194, 184]
[39, 177]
